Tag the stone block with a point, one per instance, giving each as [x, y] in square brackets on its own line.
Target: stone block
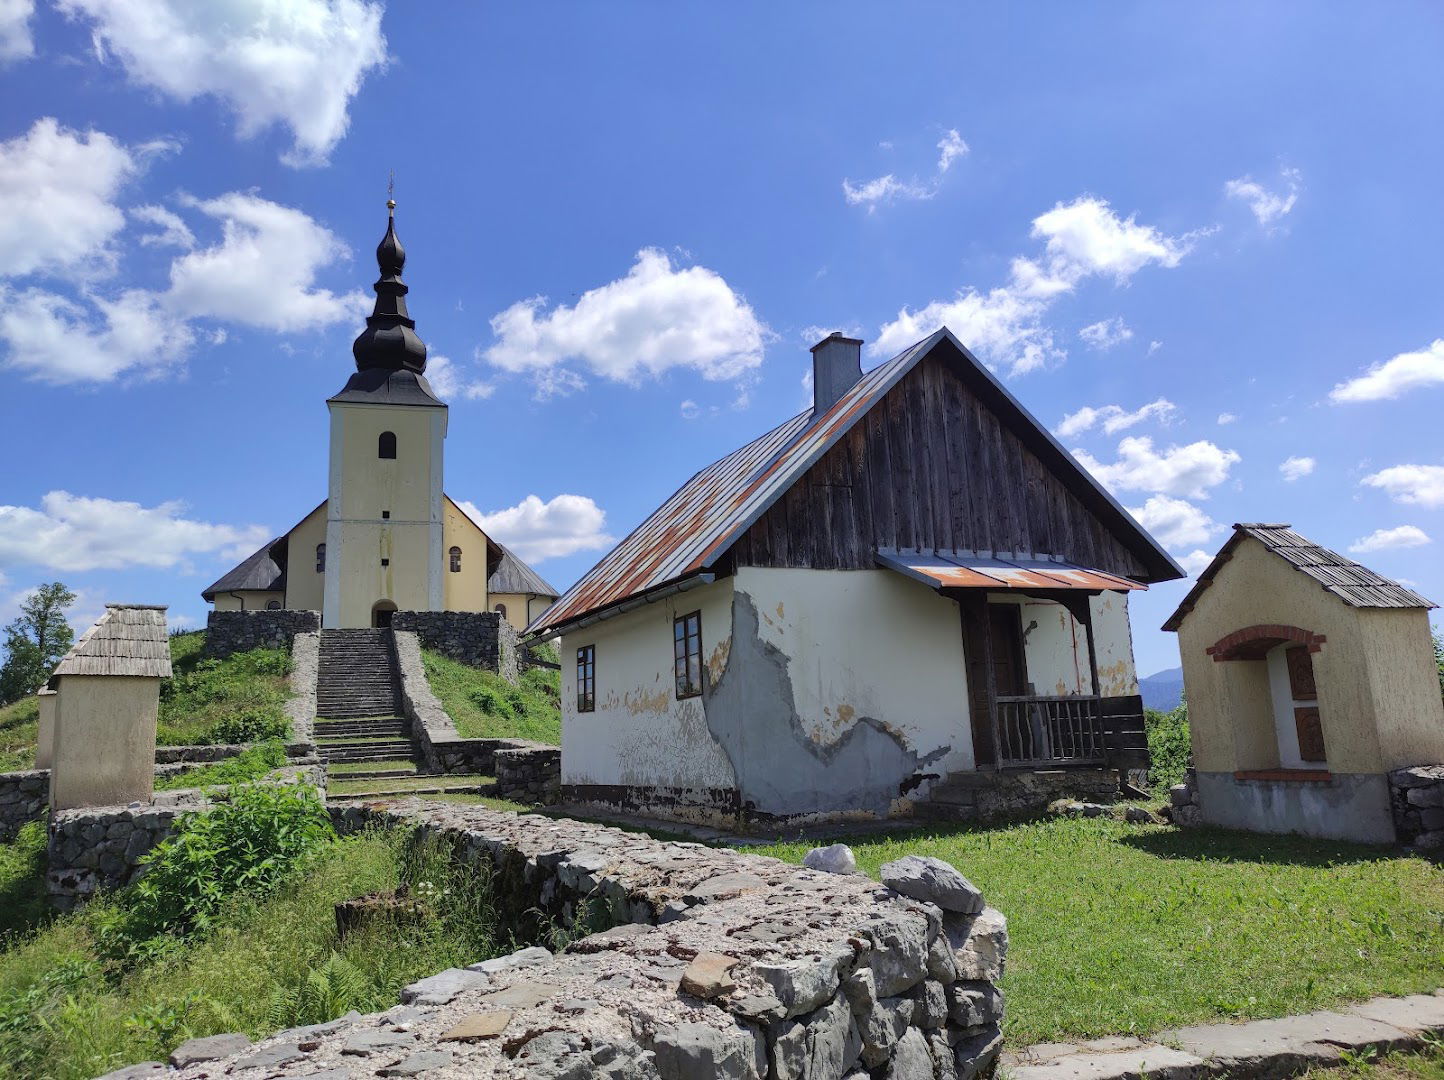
[210, 1048]
[934, 881]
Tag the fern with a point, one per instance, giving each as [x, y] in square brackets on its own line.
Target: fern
[334, 988]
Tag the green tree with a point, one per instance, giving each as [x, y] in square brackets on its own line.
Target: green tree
[1439, 658]
[35, 641]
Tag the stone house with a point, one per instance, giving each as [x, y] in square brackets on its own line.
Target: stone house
[1309, 678]
[386, 537]
[909, 583]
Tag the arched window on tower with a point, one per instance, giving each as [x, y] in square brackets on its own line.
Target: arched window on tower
[386, 445]
[455, 554]
[320, 558]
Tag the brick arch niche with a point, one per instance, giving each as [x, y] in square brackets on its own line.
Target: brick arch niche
[1254, 642]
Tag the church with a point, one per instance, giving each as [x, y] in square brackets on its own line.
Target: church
[387, 537]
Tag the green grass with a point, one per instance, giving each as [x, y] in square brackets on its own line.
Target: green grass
[19, 723]
[481, 800]
[23, 905]
[1119, 929]
[65, 1014]
[1426, 1064]
[250, 764]
[214, 701]
[405, 783]
[483, 705]
[341, 768]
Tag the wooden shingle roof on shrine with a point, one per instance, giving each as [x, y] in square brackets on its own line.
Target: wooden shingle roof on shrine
[1352, 582]
[129, 639]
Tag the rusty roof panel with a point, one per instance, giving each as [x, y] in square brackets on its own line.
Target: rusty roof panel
[959, 570]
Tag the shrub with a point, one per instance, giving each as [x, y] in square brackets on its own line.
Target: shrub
[250, 725]
[248, 843]
[490, 702]
[250, 764]
[334, 988]
[1168, 745]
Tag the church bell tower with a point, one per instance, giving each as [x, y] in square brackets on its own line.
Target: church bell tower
[384, 510]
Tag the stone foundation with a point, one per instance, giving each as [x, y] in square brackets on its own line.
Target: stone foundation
[229, 632]
[305, 670]
[1417, 797]
[702, 963]
[100, 847]
[529, 774]
[480, 639]
[23, 798]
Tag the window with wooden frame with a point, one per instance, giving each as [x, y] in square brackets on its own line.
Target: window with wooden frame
[587, 679]
[687, 654]
[320, 558]
[455, 554]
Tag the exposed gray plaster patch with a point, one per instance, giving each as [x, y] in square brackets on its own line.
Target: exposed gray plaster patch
[752, 713]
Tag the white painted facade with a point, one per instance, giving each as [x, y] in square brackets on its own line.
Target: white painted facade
[1055, 645]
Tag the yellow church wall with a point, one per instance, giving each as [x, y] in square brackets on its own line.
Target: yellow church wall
[403, 580]
[247, 600]
[305, 586]
[520, 608]
[373, 484]
[466, 590]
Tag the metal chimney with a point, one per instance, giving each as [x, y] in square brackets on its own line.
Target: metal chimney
[836, 366]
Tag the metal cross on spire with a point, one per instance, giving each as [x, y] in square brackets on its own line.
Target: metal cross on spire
[391, 193]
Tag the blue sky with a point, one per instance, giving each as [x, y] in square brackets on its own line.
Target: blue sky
[1201, 242]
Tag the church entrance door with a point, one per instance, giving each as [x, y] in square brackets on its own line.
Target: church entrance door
[381, 614]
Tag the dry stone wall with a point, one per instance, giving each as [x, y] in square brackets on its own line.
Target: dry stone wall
[704, 963]
[1418, 800]
[529, 774]
[230, 632]
[23, 796]
[480, 639]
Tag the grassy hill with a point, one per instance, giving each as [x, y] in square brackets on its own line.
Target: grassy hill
[239, 699]
[486, 706]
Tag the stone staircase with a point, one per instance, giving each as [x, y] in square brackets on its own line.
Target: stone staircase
[361, 735]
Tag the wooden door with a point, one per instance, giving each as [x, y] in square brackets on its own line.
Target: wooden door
[977, 653]
[1305, 693]
[1010, 671]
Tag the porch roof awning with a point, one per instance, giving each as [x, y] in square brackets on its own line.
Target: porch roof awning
[959, 570]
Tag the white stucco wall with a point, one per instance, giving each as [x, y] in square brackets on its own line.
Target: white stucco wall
[640, 734]
[1285, 726]
[1056, 648]
[868, 643]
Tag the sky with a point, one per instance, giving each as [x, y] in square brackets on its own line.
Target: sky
[1201, 243]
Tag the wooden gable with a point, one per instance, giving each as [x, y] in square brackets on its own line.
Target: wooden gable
[933, 466]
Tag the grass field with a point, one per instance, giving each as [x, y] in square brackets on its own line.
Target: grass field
[66, 1010]
[1427, 1064]
[1121, 929]
[18, 723]
[483, 705]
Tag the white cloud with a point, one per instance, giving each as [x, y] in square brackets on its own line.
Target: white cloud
[1225, 418]
[453, 383]
[295, 63]
[1188, 471]
[1392, 378]
[950, 148]
[16, 42]
[690, 410]
[57, 340]
[263, 272]
[1403, 536]
[1004, 326]
[656, 318]
[1416, 485]
[1267, 206]
[1195, 562]
[1114, 418]
[538, 530]
[1296, 468]
[74, 533]
[888, 188]
[1154, 346]
[1105, 334]
[174, 232]
[1176, 522]
[59, 188]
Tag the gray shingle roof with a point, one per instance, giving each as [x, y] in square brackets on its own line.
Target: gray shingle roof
[129, 639]
[1354, 584]
[514, 576]
[258, 571]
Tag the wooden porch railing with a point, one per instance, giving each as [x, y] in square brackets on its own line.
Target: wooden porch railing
[1050, 731]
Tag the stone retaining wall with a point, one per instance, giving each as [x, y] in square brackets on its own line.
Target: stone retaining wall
[305, 670]
[23, 798]
[1417, 795]
[529, 774]
[230, 632]
[480, 639]
[171, 755]
[706, 962]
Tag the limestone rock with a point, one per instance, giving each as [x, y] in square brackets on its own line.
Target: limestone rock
[135, 1072]
[440, 988]
[363, 1043]
[485, 1025]
[707, 975]
[974, 1006]
[802, 985]
[833, 859]
[912, 1060]
[418, 1063]
[899, 956]
[522, 958]
[271, 1056]
[925, 878]
[702, 1052]
[209, 1048]
[980, 944]
[1138, 815]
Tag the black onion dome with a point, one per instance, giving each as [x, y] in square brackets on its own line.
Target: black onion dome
[389, 340]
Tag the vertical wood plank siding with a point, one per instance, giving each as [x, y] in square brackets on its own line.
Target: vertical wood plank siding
[930, 467]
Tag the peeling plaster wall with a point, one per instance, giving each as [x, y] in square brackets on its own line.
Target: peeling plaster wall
[843, 685]
[1056, 650]
[640, 734]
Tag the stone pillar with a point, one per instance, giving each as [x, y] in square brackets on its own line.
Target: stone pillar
[45, 739]
[104, 741]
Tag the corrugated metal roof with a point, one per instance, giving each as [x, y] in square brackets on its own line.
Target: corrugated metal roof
[1353, 583]
[514, 576]
[962, 571]
[704, 517]
[258, 572]
[129, 639]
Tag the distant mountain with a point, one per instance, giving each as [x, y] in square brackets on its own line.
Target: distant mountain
[1162, 691]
